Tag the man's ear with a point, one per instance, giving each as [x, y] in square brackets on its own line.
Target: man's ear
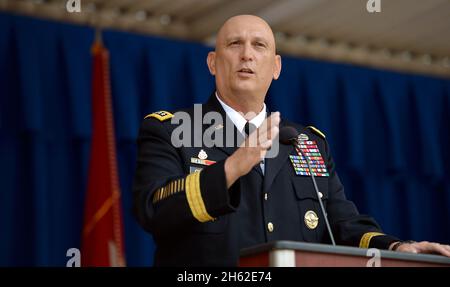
[211, 61]
[277, 67]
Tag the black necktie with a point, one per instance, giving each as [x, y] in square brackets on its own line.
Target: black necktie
[249, 128]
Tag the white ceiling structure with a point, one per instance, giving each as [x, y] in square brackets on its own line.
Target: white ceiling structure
[407, 35]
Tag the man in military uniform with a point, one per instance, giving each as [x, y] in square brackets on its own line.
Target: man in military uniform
[203, 204]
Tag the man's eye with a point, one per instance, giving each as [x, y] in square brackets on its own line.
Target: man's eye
[234, 43]
[259, 45]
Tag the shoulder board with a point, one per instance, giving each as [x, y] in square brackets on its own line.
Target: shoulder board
[161, 115]
[316, 131]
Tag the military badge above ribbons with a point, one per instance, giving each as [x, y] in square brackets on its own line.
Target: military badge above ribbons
[201, 160]
[310, 150]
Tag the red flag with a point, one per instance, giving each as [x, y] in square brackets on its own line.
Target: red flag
[102, 240]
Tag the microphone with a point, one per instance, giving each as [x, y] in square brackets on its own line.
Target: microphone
[288, 136]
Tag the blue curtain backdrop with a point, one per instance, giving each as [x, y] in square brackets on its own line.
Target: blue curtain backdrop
[389, 132]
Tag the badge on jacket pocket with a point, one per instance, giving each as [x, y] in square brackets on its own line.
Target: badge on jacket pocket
[311, 219]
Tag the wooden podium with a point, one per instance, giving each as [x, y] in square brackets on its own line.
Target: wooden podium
[301, 254]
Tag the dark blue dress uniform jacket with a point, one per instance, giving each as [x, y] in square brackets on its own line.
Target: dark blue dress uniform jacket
[196, 221]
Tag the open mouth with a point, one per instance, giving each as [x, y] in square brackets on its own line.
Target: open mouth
[246, 71]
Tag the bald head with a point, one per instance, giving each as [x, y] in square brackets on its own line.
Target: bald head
[244, 62]
[235, 24]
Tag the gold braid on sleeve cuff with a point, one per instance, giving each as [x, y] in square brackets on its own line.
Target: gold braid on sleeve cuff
[194, 198]
[365, 239]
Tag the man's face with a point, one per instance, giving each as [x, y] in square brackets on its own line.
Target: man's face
[245, 59]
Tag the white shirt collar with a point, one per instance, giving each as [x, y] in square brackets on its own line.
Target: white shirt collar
[238, 119]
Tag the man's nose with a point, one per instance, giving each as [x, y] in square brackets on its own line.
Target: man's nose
[247, 52]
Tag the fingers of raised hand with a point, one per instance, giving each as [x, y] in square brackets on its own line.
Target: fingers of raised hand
[269, 128]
